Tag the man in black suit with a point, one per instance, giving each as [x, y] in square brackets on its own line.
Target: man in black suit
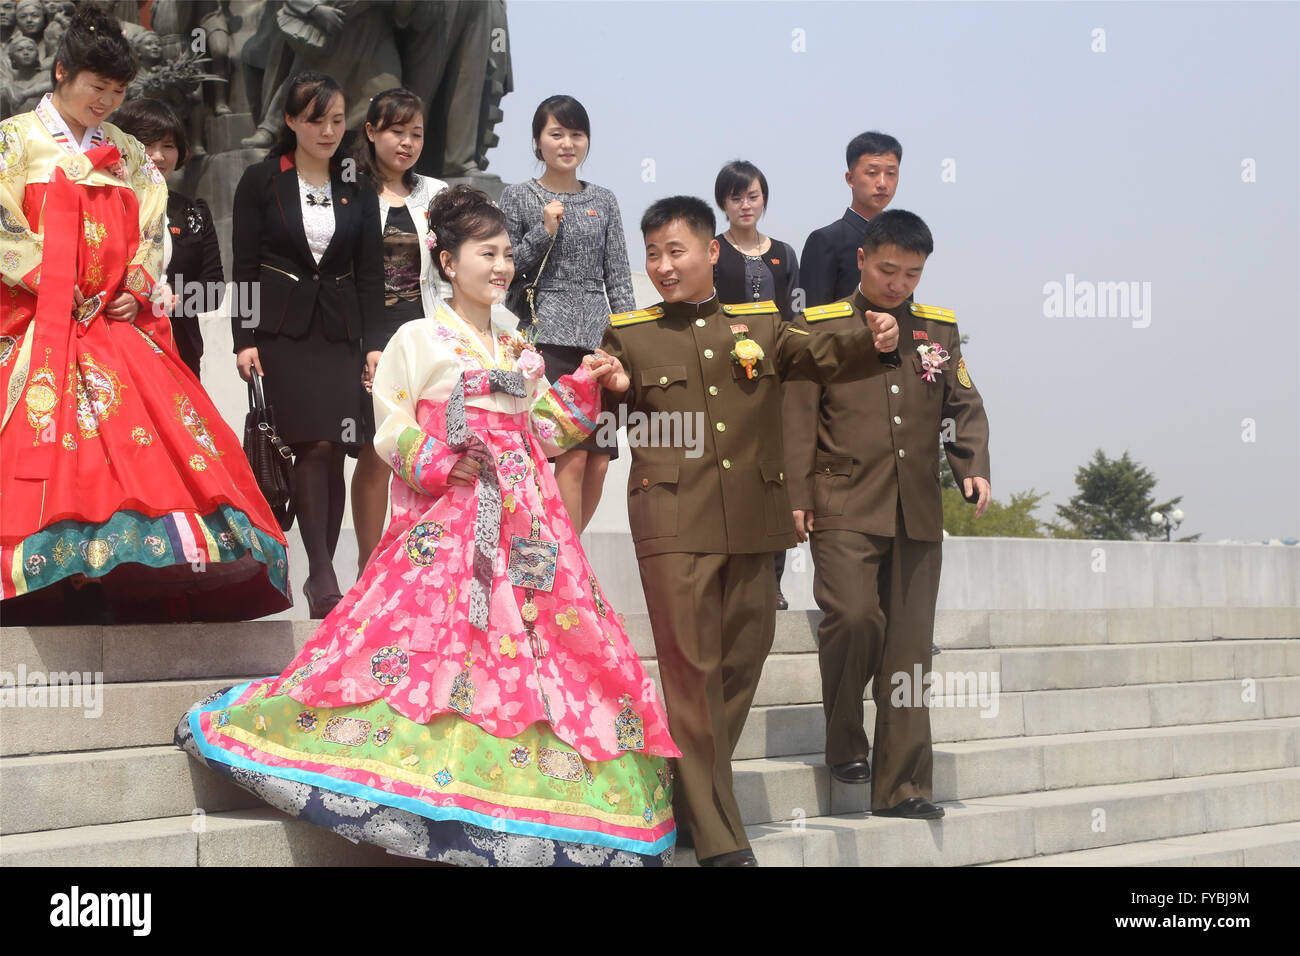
[828, 268]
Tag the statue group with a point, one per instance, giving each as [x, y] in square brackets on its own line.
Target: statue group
[225, 65]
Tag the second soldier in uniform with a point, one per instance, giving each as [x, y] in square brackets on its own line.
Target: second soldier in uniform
[864, 480]
[705, 527]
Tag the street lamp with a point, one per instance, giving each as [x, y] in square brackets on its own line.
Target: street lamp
[1169, 522]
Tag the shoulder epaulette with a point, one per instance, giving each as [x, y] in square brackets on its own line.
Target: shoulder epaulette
[836, 310]
[620, 319]
[751, 308]
[934, 313]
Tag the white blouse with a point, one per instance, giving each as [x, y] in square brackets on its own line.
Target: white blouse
[317, 220]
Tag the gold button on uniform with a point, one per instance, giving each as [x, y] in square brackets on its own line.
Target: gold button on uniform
[663, 379]
[713, 390]
[897, 420]
[708, 353]
[893, 389]
[828, 471]
[700, 323]
[722, 426]
[726, 463]
[645, 482]
[902, 453]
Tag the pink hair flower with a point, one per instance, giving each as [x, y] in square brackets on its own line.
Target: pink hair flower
[431, 240]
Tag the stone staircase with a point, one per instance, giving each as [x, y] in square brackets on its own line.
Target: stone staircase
[1154, 736]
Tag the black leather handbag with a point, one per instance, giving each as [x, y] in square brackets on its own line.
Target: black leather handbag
[269, 457]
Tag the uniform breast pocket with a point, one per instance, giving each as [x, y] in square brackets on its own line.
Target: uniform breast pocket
[776, 500]
[664, 386]
[763, 370]
[652, 501]
[831, 480]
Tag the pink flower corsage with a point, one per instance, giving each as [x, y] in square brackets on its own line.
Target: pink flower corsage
[530, 364]
[431, 240]
[933, 358]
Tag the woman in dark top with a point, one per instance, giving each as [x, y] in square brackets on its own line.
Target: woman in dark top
[386, 152]
[308, 241]
[191, 252]
[752, 267]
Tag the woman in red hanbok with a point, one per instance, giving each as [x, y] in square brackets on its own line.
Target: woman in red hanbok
[124, 496]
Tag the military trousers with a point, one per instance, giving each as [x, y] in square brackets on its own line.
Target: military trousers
[878, 595]
[714, 618]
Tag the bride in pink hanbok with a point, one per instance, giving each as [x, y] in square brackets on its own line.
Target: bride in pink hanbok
[474, 698]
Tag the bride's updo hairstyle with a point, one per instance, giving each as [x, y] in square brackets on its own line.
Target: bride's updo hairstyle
[460, 214]
[94, 42]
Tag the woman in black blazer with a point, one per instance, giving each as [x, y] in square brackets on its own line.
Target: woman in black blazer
[309, 243]
[192, 254]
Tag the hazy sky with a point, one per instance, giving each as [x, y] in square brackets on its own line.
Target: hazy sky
[1123, 165]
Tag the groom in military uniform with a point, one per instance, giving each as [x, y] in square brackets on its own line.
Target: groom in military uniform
[863, 475]
[705, 527]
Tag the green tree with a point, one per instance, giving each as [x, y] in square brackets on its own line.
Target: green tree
[1012, 520]
[1114, 502]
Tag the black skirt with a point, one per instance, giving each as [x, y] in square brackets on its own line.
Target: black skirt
[395, 316]
[564, 360]
[314, 386]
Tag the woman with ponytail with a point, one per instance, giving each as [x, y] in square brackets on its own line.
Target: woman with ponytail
[474, 698]
[126, 497]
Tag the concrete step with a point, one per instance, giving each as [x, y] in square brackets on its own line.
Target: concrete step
[796, 678]
[980, 831]
[255, 837]
[980, 684]
[781, 729]
[53, 791]
[137, 653]
[124, 715]
[1027, 825]
[129, 653]
[799, 787]
[1275, 845]
[145, 714]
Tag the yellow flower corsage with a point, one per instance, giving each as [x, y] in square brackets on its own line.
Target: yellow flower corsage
[747, 352]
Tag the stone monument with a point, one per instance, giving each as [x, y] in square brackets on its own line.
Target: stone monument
[225, 65]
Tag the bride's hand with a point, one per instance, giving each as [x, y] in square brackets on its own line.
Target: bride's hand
[464, 472]
[607, 371]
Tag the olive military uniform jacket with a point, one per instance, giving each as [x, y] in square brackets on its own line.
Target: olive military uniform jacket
[731, 498]
[854, 448]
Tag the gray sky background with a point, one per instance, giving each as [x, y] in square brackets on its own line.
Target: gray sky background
[1123, 165]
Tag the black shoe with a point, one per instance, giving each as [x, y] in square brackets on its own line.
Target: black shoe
[781, 603]
[734, 858]
[318, 608]
[934, 649]
[913, 808]
[855, 771]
